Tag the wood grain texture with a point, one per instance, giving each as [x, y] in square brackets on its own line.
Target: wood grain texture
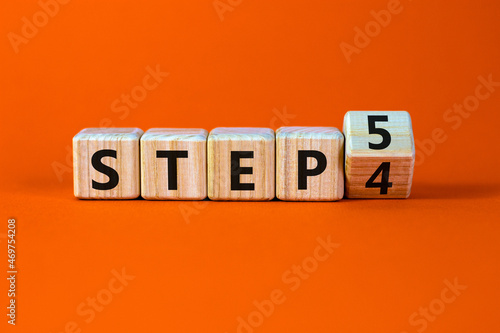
[221, 142]
[327, 186]
[126, 143]
[361, 162]
[191, 171]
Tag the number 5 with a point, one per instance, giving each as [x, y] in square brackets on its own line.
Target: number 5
[386, 136]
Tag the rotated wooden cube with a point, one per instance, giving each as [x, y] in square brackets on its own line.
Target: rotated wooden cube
[241, 163]
[173, 164]
[106, 163]
[379, 154]
[309, 164]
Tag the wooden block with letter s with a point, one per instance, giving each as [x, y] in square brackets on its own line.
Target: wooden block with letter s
[379, 154]
[173, 164]
[309, 164]
[241, 163]
[106, 163]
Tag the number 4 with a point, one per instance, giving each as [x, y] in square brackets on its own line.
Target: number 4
[384, 183]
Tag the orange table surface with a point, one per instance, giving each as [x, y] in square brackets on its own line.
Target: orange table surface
[428, 263]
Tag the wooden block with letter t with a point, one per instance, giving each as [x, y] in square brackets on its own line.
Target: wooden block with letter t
[106, 163]
[309, 164]
[174, 164]
[241, 163]
[379, 154]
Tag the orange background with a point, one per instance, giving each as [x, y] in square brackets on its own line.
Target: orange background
[200, 266]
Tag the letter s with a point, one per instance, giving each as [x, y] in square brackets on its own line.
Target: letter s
[292, 280]
[110, 172]
[81, 312]
[421, 322]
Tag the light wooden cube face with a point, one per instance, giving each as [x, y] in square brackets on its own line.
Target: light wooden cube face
[379, 154]
[309, 164]
[241, 163]
[173, 164]
[106, 163]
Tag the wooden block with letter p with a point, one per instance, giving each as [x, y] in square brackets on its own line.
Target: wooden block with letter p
[106, 163]
[241, 163]
[309, 164]
[379, 154]
[173, 164]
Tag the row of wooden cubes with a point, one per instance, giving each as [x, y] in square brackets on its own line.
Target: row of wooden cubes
[295, 163]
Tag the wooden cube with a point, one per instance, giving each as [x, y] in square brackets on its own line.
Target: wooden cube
[174, 164]
[379, 154]
[241, 163]
[106, 163]
[309, 164]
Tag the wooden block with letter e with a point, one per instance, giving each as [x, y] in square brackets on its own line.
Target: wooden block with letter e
[106, 163]
[309, 164]
[241, 163]
[173, 164]
[379, 154]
